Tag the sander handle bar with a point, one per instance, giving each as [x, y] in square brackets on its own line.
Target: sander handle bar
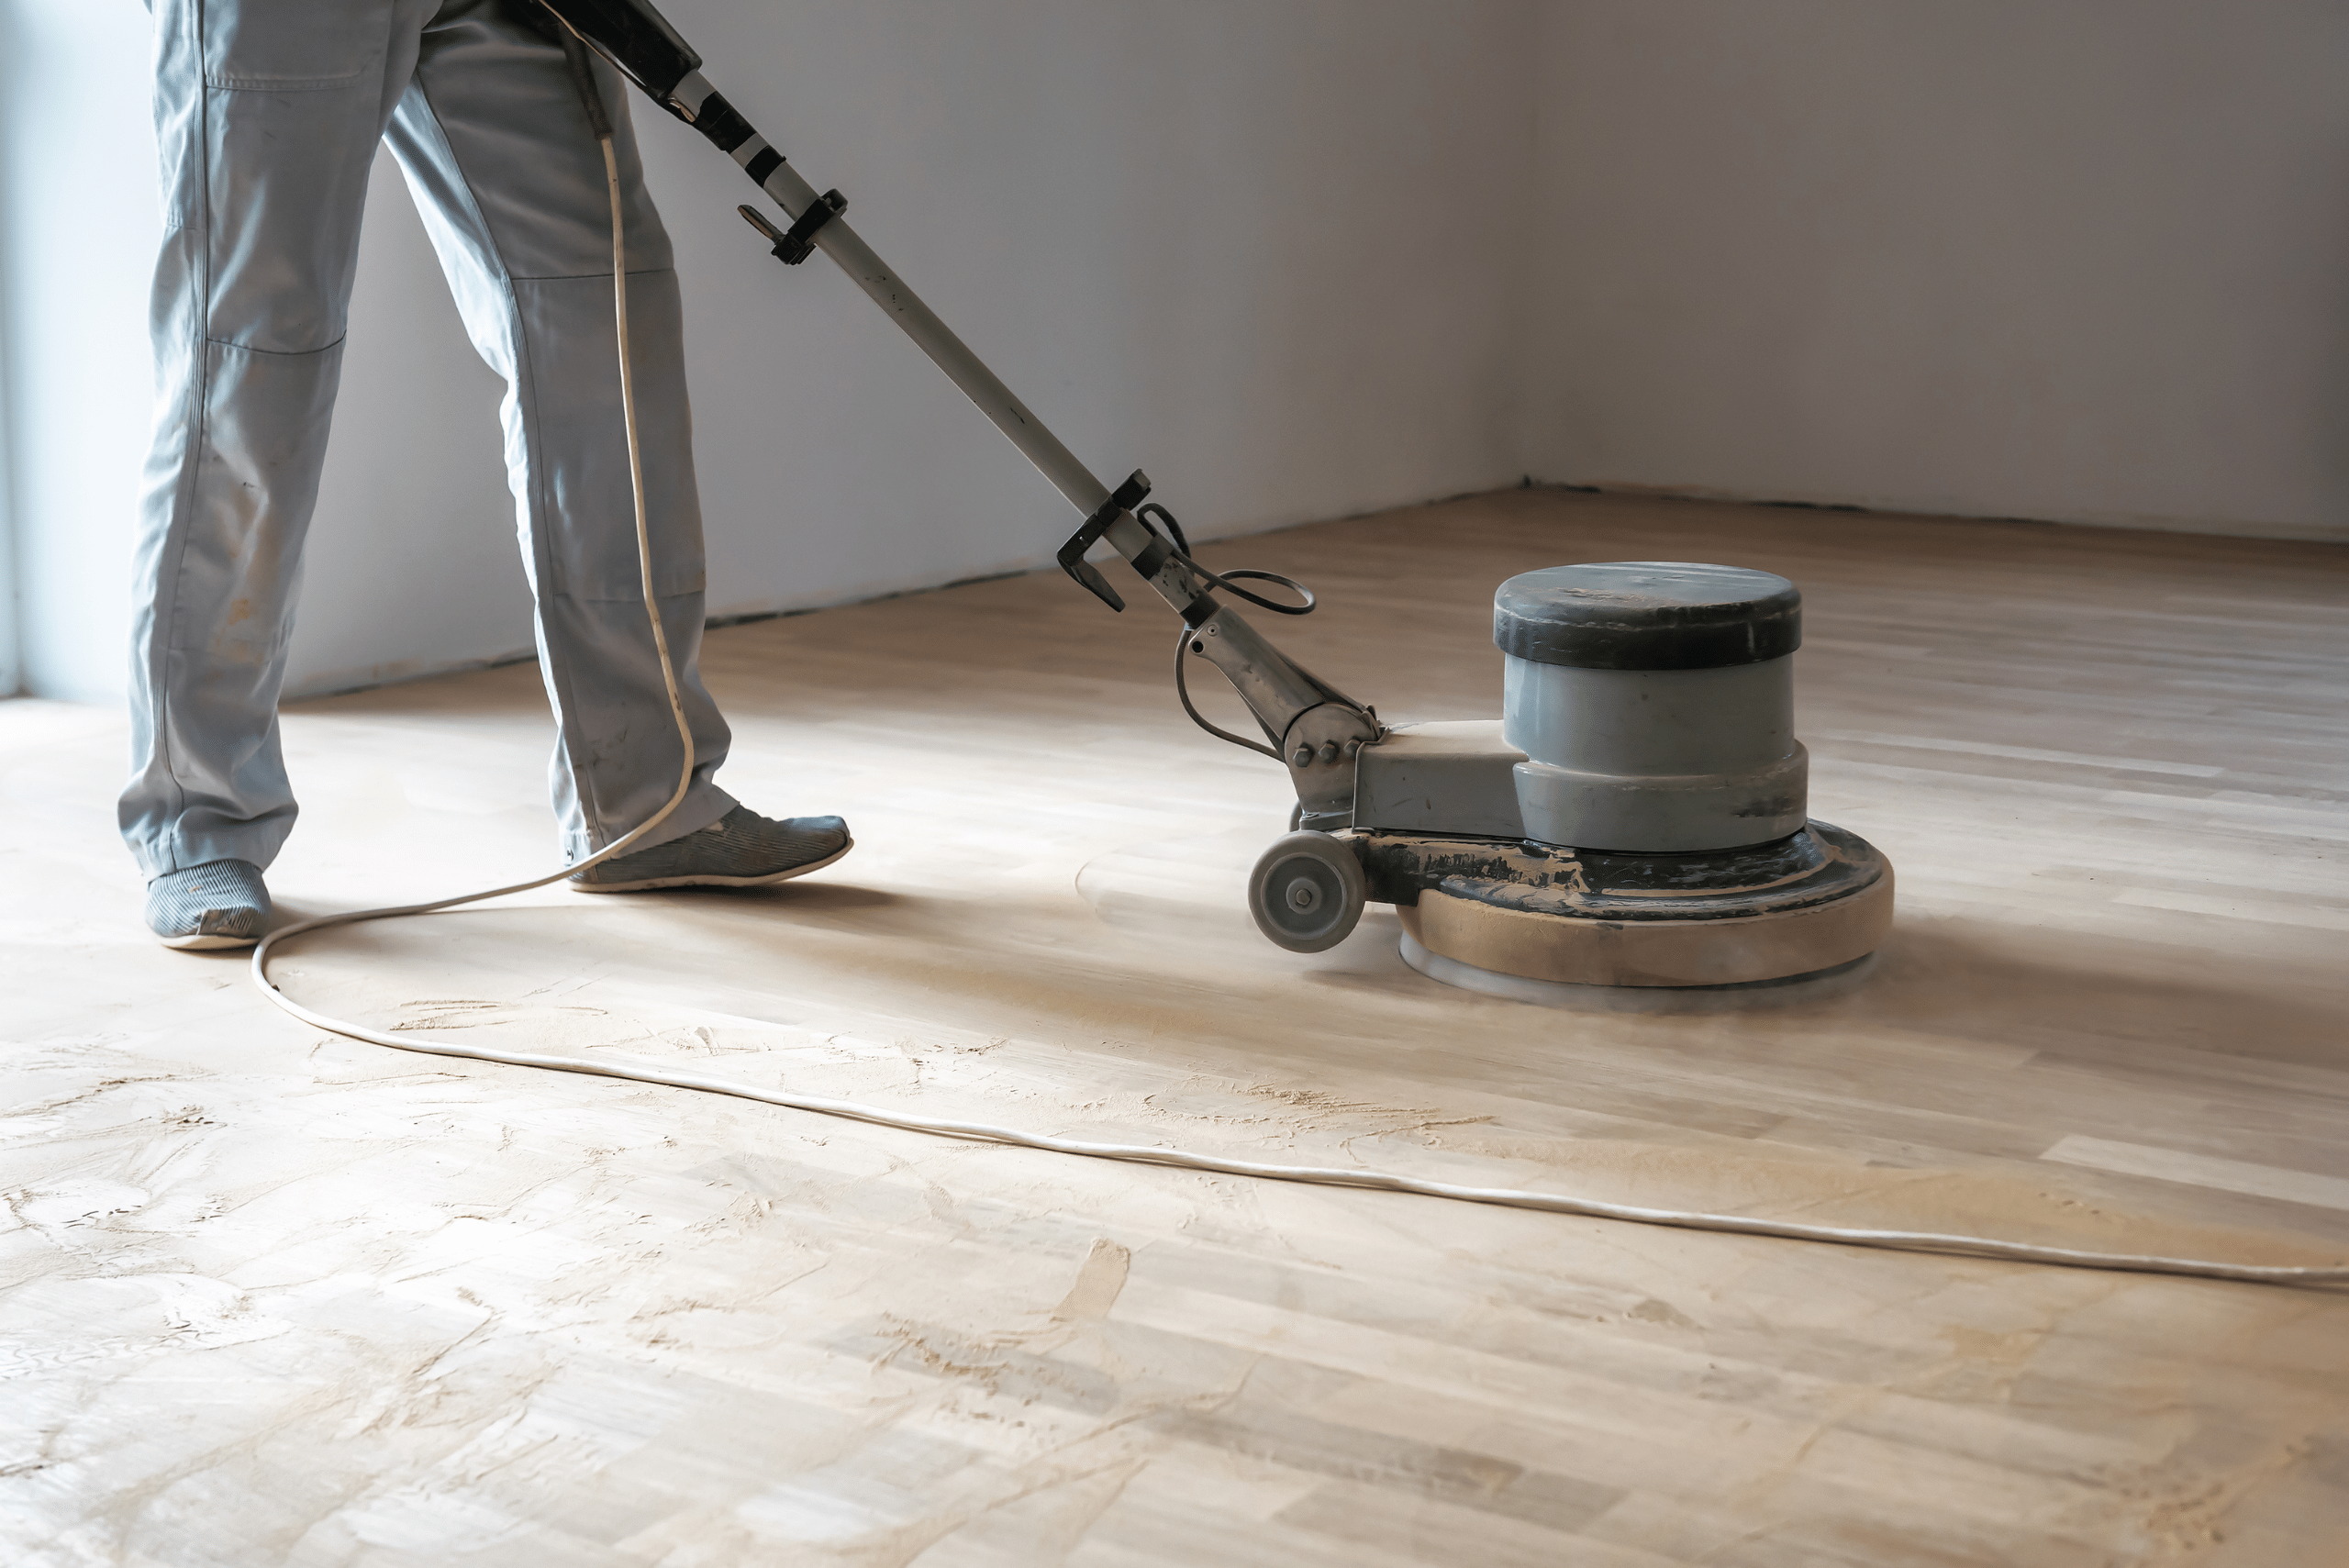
[1287, 699]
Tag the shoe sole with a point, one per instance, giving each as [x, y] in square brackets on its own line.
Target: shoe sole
[650, 883]
[200, 942]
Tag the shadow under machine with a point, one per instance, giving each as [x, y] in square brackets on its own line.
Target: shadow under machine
[1638, 816]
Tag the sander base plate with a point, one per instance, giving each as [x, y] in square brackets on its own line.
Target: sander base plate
[1819, 900]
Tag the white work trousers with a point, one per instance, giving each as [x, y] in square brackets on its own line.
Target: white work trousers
[268, 114]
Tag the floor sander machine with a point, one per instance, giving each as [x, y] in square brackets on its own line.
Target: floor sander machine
[1636, 817]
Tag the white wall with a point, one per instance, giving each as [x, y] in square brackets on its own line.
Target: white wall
[2078, 260]
[11, 643]
[1270, 249]
[77, 244]
[2082, 260]
[1196, 237]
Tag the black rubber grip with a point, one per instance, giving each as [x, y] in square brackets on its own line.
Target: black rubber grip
[634, 37]
[716, 120]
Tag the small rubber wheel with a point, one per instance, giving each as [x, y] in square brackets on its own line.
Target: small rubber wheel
[1306, 892]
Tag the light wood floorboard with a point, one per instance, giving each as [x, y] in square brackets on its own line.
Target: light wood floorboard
[269, 1296]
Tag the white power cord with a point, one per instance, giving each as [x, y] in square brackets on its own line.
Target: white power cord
[1324, 1176]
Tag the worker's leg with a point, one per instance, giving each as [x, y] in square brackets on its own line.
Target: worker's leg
[497, 149]
[267, 114]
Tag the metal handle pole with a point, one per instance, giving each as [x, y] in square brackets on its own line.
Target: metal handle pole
[947, 351]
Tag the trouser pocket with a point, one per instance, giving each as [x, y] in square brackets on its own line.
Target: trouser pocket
[292, 46]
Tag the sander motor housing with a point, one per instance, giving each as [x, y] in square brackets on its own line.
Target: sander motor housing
[1638, 816]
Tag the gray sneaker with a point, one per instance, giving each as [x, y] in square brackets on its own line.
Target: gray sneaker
[220, 903]
[740, 848]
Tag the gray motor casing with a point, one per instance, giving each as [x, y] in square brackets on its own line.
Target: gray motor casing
[1654, 704]
[1657, 760]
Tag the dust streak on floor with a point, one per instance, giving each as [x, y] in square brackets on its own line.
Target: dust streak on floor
[269, 1296]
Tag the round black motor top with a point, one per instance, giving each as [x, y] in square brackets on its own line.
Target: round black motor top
[1647, 615]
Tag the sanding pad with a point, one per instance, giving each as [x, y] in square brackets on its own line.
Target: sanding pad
[1816, 901]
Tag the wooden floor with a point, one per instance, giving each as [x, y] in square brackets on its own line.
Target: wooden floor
[272, 1296]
